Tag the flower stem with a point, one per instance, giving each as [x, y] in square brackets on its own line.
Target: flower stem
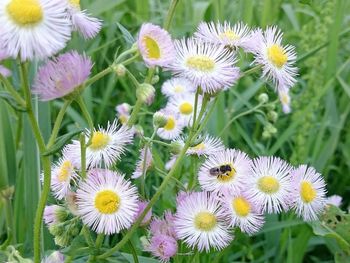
[250, 71]
[85, 112]
[98, 76]
[58, 122]
[170, 14]
[12, 91]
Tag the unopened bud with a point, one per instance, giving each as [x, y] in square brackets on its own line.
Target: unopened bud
[155, 79]
[145, 92]
[7, 193]
[263, 98]
[176, 147]
[272, 116]
[120, 70]
[159, 119]
[56, 229]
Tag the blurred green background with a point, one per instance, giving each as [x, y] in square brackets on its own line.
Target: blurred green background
[317, 132]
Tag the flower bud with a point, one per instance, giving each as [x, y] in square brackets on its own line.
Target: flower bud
[120, 70]
[145, 92]
[159, 119]
[155, 79]
[263, 98]
[272, 116]
[175, 147]
[7, 193]
[56, 229]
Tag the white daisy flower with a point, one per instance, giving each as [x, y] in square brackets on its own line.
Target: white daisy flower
[63, 173]
[177, 86]
[242, 212]
[283, 94]
[309, 192]
[184, 105]
[34, 28]
[335, 200]
[225, 34]
[208, 66]
[278, 61]
[155, 45]
[144, 163]
[225, 170]
[106, 147]
[107, 202]
[209, 146]
[200, 222]
[169, 164]
[174, 126]
[82, 22]
[269, 184]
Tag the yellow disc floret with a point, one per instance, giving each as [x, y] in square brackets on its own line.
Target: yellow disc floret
[229, 34]
[307, 192]
[107, 202]
[241, 206]
[198, 147]
[205, 221]
[25, 12]
[268, 184]
[186, 108]
[277, 55]
[99, 140]
[152, 47]
[75, 3]
[170, 124]
[201, 63]
[65, 171]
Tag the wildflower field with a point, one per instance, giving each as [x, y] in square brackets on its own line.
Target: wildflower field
[174, 131]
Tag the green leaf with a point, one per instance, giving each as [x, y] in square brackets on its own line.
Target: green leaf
[78, 248]
[11, 101]
[126, 34]
[61, 141]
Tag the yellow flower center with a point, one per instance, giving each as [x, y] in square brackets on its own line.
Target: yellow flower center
[227, 176]
[277, 55]
[268, 184]
[25, 12]
[241, 206]
[170, 124]
[201, 63]
[229, 34]
[205, 221]
[186, 108]
[107, 202]
[99, 140]
[178, 89]
[307, 192]
[152, 47]
[285, 98]
[198, 147]
[75, 3]
[65, 170]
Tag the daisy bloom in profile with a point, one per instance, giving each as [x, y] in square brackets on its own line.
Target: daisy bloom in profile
[107, 146]
[155, 45]
[283, 94]
[141, 207]
[4, 71]
[107, 202]
[54, 214]
[55, 257]
[233, 36]
[61, 76]
[277, 61]
[334, 200]
[208, 66]
[63, 174]
[85, 24]
[200, 222]
[123, 112]
[208, 146]
[173, 126]
[309, 192]
[144, 163]
[242, 212]
[33, 29]
[269, 184]
[184, 105]
[162, 246]
[177, 86]
[163, 225]
[227, 169]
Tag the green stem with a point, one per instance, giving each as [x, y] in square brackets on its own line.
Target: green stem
[11, 236]
[133, 252]
[132, 78]
[130, 60]
[195, 107]
[87, 237]
[99, 241]
[132, 50]
[12, 91]
[58, 122]
[85, 112]
[161, 143]
[83, 155]
[250, 71]
[98, 76]
[135, 111]
[40, 210]
[170, 14]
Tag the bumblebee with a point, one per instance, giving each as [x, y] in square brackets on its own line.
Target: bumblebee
[220, 171]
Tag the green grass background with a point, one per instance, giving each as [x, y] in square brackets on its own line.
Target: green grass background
[317, 132]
